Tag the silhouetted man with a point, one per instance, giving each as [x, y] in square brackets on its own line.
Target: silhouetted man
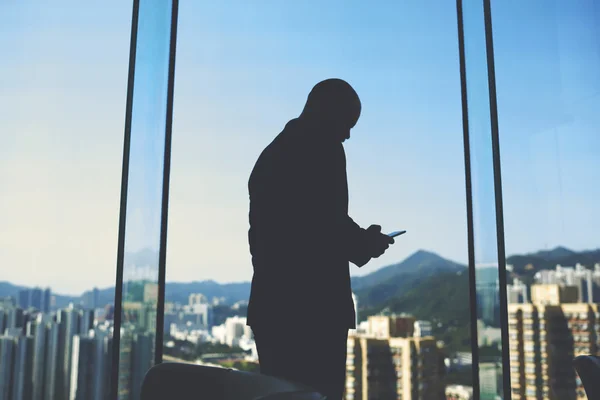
[301, 240]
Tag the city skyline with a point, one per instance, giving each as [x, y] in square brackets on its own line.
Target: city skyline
[405, 159]
[145, 256]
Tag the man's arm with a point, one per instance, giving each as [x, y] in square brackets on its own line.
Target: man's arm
[325, 205]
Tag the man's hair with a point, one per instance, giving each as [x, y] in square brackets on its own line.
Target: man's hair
[332, 99]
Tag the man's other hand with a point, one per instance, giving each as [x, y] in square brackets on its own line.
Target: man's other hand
[378, 242]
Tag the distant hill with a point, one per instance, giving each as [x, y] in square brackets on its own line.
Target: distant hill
[394, 280]
[527, 265]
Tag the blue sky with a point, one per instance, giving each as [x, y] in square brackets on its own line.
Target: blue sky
[242, 73]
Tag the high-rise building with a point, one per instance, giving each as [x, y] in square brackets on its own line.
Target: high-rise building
[87, 321]
[70, 320]
[7, 363]
[36, 298]
[387, 367]
[3, 318]
[91, 299]
[47, 301]
[202, 314]
[53, 362]
[517, 293]
[586, 281]
[22, 385]
[82, 368]
[384, 326]
[89, 368]
[24, 298]
[40, 350]
[15, 318]
[554, 294]
[544, 339]
[234, 330]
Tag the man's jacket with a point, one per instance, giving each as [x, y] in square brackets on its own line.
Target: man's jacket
[301, 237]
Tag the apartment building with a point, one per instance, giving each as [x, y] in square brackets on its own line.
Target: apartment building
[544, 339]
[392, 367]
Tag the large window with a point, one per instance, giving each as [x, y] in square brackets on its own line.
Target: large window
[63, 85]
[548, 90]
[491, 293]
[243, 71]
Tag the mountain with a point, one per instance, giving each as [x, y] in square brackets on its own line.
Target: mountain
[442, 299]
[554, 254]
[388, 281]
[527, 265]
[394, 280]
[8, 289]
[422, 263]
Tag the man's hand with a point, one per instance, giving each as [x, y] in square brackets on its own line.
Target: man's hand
[378, 242]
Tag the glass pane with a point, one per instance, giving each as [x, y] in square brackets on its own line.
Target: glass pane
[63, 80]
[142, 231]
[483, 194]
[243, 72]
[548, 77]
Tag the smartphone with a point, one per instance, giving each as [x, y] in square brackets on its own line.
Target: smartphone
[397, 233]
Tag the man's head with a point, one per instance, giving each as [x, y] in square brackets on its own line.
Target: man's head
[334, 106]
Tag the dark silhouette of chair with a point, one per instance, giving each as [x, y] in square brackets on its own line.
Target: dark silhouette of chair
[588, 369]
[175, 381]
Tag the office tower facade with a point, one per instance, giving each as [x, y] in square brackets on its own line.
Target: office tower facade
[90, 300]
[36, 298]
[22, 379]
[23, 297]
[7, 363]
[544, 339]
[87, 321]
[88, 371]
[15, 318]
[70, 320]
[53, 362]
[40, 351]
[47, 301]
[3, 318]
